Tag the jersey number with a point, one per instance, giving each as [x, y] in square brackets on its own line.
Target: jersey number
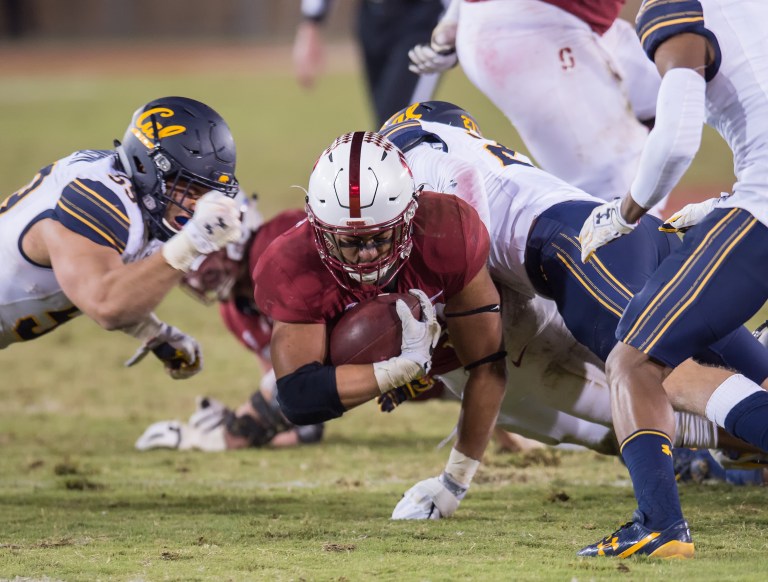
[28, 328]
[20, 194]
[506, 156]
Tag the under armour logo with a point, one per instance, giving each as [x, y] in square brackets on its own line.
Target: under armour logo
[600, 216]
[666, 450]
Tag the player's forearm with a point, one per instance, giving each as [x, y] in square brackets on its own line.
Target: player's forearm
[124, 296]
[356, 385]
[481, 402]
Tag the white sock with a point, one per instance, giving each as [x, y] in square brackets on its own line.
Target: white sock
[735, 389]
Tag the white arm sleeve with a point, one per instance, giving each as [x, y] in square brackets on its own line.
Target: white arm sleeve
[675, 138]
[451, 13]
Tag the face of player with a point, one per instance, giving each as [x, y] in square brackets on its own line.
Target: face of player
[184, 197]
[357, 250]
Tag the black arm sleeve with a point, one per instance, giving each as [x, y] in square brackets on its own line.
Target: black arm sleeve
[309, 395]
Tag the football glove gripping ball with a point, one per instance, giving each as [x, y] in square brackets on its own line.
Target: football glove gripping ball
[419, 340]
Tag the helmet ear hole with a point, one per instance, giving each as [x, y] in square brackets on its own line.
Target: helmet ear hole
[138, 166]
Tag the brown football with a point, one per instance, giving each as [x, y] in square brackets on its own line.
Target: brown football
[370, 331]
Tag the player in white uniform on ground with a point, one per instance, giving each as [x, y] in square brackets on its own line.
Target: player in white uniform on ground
[713, 56]
[571, 78]
[109, 232]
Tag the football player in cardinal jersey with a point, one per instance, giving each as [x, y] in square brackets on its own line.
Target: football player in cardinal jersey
[369, 231]
[225, 277]
[109, 232]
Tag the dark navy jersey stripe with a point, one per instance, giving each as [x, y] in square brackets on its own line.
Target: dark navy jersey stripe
[93, 210]
[660, 20]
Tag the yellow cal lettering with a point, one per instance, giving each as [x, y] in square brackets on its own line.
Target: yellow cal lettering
[147, 128]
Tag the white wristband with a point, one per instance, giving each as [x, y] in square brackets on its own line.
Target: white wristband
[395, 372]
[180, 252]
[461, 468]
[146, 329]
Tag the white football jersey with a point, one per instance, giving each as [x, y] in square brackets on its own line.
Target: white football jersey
[737, 97]
[87, 193]
[516, 192]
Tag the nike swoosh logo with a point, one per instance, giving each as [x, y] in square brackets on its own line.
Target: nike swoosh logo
[516, 363]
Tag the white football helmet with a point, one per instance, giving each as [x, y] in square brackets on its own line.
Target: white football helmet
[213, 276]
[361, 186]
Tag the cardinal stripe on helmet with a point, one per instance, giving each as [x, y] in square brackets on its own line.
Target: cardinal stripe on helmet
[354, 174]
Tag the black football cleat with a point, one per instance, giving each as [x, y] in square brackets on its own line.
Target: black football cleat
[634, 539]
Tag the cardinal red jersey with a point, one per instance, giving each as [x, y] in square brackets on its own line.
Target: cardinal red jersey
[243, 320]
[450, 246]
[599, 14]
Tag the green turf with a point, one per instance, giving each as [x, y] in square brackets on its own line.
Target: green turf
[78, 503]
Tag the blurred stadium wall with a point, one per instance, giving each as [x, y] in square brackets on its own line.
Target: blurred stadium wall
[161, 19]
[267, 20]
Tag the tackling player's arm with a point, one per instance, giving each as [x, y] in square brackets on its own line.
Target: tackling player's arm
[95, 279]
[686, 54]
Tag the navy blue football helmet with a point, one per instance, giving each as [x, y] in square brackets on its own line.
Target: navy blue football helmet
[173, 143]
[436, 112]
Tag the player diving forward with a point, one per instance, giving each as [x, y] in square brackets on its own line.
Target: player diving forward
[369, 230]
[109, 233]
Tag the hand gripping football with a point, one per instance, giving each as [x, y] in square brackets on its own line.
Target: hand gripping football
[370, 331]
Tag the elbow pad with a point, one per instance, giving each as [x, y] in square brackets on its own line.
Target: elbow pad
[675, 138]
[309, 395]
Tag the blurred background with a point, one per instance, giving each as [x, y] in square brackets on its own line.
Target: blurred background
[71, 74]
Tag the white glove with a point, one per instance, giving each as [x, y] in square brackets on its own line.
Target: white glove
[426, 59]
[691, 215]
[418, 343]
[172, 434]
[178, 351]
[602, 226]
[433, 498]
[214, 224]
[209, 414]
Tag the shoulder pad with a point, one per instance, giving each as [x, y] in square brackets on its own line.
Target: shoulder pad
[94, 211]
[659, 21]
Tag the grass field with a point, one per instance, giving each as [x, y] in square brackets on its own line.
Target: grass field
[78, 503]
